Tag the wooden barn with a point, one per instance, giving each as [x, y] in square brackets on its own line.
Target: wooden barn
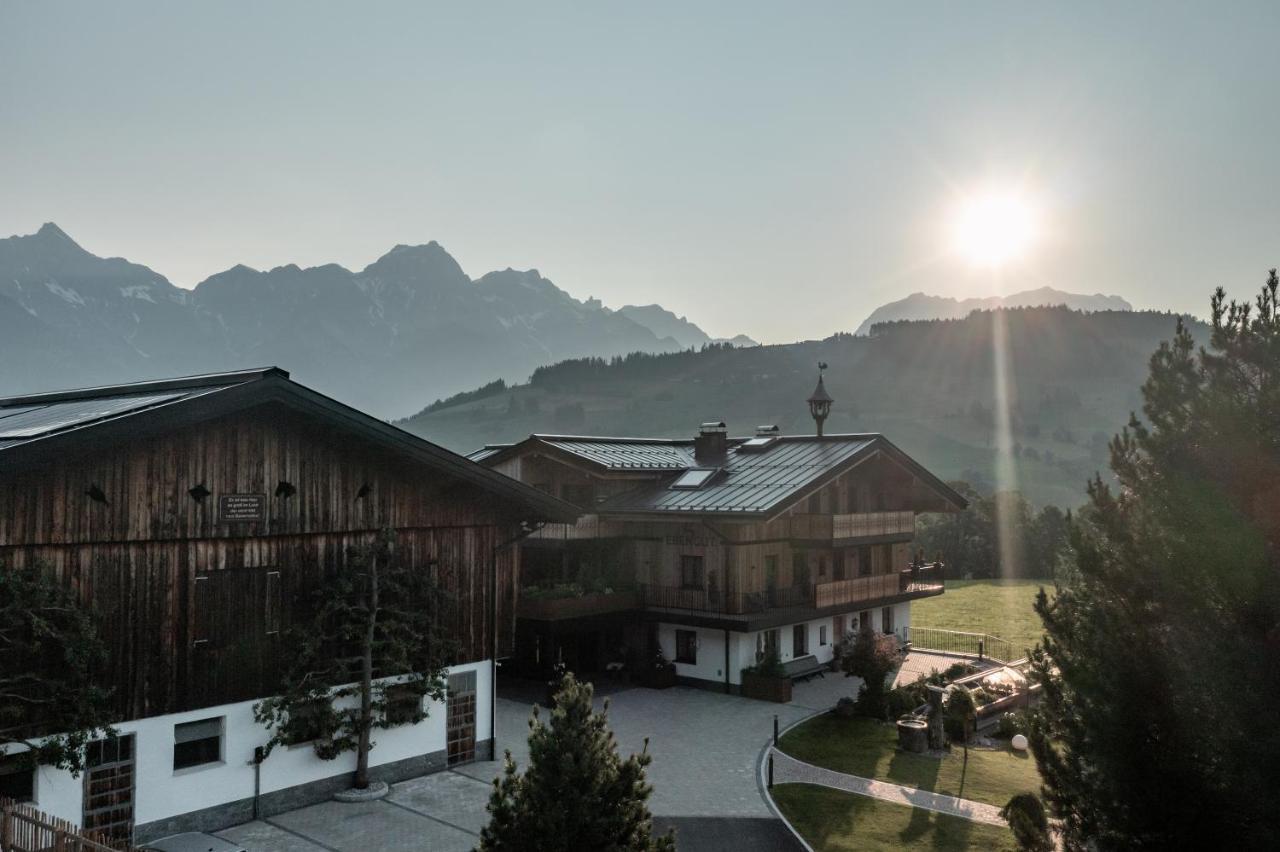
[193, 515]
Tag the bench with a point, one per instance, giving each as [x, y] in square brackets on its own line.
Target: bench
[803, 668]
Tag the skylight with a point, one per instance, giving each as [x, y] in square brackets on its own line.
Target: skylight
[755, 445]
[694, 477]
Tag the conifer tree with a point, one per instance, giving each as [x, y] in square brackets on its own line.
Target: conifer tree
[1161, 662]
[577, 792]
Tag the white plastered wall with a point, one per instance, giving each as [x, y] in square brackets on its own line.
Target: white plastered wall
[161, 792]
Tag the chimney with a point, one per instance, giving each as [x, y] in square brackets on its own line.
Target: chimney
[770, 430]
[712, 443]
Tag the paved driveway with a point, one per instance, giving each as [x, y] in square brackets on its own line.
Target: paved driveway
[705, 746]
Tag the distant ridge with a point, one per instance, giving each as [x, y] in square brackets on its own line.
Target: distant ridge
[921, 306]
[410, 326]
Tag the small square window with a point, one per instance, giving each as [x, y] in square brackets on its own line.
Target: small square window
[17, 780]
[687, 646]
[197, 743]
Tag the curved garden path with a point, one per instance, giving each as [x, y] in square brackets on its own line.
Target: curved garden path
[788, 770]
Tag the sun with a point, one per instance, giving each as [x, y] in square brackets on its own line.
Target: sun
[994, 228]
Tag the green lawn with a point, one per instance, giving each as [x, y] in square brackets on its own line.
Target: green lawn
[999, 607]
[868, 748]
[834, 820]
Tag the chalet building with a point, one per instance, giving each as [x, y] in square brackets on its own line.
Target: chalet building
[716, 549]
[194, 515]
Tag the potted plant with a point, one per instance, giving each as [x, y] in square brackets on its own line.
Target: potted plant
[658, 672]
[767, 680]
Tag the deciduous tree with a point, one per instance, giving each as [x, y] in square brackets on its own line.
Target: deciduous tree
[51, 699]
[370, 653]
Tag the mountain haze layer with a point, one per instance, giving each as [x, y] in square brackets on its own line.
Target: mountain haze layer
[410, 326]
[920, 306]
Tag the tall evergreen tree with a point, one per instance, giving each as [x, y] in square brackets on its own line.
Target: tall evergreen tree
[577, 792]
[370, 653]
[1161, 662]
[51, 660]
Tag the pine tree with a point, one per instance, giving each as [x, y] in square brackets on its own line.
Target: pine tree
[371, 652]
[577, 792]
[51, 661]
[1161, 662]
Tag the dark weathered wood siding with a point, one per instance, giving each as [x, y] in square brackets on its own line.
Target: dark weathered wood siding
[138, 558]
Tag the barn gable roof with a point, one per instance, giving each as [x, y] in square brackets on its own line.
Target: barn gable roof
[36, 428]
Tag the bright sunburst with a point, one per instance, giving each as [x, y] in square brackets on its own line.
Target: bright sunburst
[994, 228]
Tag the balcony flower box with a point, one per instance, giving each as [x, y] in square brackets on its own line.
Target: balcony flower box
[766, 687]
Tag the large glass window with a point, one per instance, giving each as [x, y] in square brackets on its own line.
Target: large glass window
[197, 743]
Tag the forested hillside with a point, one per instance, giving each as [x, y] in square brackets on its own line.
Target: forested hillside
[928, 385]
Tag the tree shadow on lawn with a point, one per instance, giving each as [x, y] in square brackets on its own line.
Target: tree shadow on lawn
[949, 835]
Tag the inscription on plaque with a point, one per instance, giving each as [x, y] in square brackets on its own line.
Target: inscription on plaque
[242, 508]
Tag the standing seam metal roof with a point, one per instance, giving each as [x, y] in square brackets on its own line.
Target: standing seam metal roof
[750, 482]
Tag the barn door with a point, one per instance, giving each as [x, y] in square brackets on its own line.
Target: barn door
[108, 787]
[461, 728]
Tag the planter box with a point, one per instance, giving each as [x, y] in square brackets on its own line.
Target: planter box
[658, 678]
[777, 689]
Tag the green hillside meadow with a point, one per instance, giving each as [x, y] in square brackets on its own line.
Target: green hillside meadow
[928, 386]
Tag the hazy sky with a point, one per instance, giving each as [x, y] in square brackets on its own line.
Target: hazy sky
[776, 169]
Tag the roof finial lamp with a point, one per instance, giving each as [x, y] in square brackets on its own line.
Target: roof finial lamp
[820, 401]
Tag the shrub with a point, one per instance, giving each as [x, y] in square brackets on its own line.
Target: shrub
[903, 699]
[846, 708]
[770, 666]
[1009, 724]
[960, 710]
[1027, 820]
[872, 660]
[955, 671]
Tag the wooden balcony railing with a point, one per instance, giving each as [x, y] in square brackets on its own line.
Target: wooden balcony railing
[855, 525]
[926, 580]
[587, 527]
[556, 609]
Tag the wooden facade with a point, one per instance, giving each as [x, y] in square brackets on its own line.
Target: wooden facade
[193, 605]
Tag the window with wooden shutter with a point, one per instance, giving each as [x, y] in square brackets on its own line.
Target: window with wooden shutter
[234, 605]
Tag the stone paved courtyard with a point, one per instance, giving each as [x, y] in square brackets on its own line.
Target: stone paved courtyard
[705, 746]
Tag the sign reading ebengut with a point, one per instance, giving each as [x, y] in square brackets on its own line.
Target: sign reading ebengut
[237, 508]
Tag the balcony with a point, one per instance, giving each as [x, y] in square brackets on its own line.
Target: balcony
[587, 527]
[909, 582]
[852, 526]
[922, 581]
[576, 606]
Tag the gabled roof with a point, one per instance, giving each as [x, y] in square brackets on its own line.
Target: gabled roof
[37, 428]
[750, 481]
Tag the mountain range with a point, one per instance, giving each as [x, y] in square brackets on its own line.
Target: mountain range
[921, 306]
[410, 327]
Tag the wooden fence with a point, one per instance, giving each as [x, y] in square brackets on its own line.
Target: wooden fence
[25, 829]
